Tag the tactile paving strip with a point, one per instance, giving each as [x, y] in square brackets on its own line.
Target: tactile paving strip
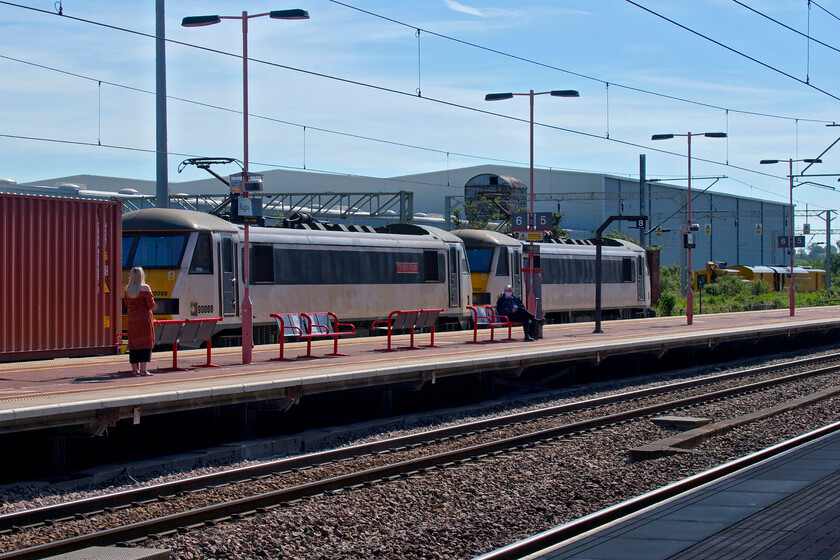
[804, 525]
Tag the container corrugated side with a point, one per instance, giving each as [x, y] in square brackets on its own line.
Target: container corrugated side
[60, 274]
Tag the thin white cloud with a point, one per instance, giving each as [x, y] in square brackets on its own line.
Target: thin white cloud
[464, 9]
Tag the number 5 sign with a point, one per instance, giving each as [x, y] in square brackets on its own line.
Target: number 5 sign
[542, 221]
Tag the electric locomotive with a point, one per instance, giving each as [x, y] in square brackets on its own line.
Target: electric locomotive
[193, 263]
[566, 274]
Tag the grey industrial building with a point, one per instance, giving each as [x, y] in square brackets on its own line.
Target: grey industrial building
[734, 229]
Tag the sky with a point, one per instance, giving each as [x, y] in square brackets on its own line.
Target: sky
[390, 88]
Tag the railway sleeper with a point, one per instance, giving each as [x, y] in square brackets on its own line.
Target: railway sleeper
[291, 503]
[687, 441]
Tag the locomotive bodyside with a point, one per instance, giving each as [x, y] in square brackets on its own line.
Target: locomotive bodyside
[193, 263]
[567, 274]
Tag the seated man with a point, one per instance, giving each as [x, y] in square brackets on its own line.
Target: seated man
[512, 307]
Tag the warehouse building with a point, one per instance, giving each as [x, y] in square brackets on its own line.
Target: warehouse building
[733, 229]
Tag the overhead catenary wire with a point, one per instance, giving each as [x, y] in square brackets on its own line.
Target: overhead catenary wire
[571, 72]
[823, 9]
[394, 91]
[442, 36]
[789, 28]
[191, 155]
[734, 50]
[253, 115]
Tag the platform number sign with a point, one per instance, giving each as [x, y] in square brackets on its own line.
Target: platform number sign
[519, 221]
[641, 223]
[542, 221]
[798, 241]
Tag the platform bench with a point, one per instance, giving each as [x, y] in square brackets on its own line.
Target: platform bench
[308, 326]
[410, 320]
[185, 331]
[485, 316]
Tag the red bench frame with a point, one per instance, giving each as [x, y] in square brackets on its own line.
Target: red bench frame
[489, 319]
[409, 320]
[310, 325]
[182, 324]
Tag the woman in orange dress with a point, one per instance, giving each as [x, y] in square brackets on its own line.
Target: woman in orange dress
[139, 303]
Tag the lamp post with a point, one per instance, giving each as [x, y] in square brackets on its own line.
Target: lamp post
[531, 298]
[200, 21]
[689, 296]
[790, 241]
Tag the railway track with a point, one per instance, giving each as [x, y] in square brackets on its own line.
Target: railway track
[600, 519]
[400, 457]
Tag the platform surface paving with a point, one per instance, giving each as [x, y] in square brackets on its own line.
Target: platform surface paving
[53, 393]
[784, 508]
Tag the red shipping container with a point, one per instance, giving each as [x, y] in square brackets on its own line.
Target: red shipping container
[60, 276]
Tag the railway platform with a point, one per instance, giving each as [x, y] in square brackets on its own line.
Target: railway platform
[93, 393]
[783, 508]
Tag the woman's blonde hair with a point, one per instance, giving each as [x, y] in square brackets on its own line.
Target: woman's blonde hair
[136, 278]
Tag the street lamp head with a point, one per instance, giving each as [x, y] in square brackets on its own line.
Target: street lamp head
[565, 93]
[199, 21]
[817, 160]
[715, 135]
[767, 161]
[289, 14]
[661, 136]
[497, 96]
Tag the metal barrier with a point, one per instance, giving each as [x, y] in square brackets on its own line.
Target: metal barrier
[409, 320]
[188, 331]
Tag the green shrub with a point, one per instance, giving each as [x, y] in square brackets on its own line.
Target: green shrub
[667, 303]
[669, 279]
[757, 288]
[729, 286]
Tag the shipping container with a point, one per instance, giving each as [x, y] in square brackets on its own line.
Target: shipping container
[60, 274]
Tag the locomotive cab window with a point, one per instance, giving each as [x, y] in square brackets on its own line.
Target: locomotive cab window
[202, 259]
[480, 259]
[127, 244]
[154, 250]
[503, 267]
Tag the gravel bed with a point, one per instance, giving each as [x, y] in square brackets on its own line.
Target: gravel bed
[732, 407]
[22, 496]
[480, 506]
[465, 511]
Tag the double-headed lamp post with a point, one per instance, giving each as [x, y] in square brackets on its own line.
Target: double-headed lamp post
[531, 226]
[689, 295]
[790, 241]
[200, 21]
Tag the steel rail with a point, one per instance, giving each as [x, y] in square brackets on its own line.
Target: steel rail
[257, 503]
[95, 504]
[599, 519]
